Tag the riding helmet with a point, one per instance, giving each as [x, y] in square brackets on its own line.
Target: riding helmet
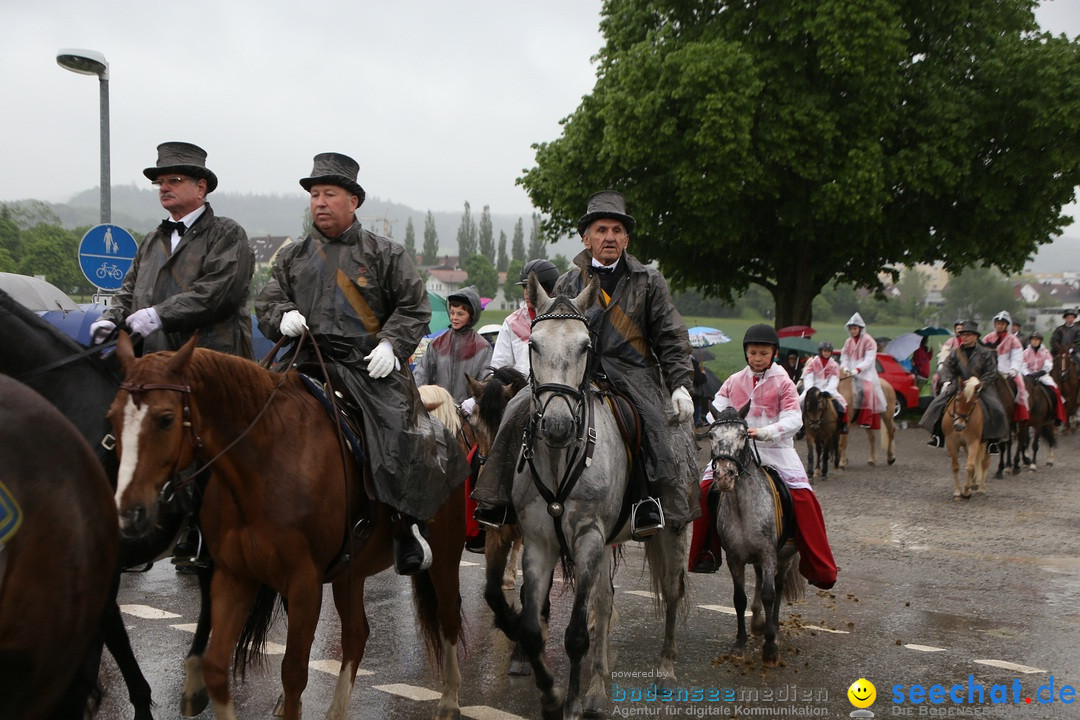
[546, 273]
[824, 345]
[761, 334]
[1034, 335]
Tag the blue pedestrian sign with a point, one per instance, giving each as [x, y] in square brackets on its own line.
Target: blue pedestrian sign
[105, 255]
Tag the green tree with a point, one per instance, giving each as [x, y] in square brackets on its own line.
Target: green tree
[466, 237]
[912, 287]
[31, 213]
[410, 239]
[517, 248]
[978, 293]
[503, 261]
[10, 236]
[486, 236]
[511, 290]
[561, 263]
[431, 241]
[796, 143]
[537, 241]
[482, 274]
[52, 252]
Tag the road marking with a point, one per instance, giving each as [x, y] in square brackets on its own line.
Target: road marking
[186, 627]
[924, 648]
[333, 667]
[273, 648]
[469, 563]
[483, 712]
[642, 593]
[147, 613]
[412, 692]
[1026, 669]
[731, 611]
[720, 609]
[825, 629]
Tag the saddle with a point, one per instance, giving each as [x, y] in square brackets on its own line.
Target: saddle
[782, 506]
[628, 420]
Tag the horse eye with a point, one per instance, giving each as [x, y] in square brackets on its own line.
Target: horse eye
[164, 422]
[533, 347]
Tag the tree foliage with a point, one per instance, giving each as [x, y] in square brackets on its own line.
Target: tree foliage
[482, 274]
[486, 236]
[410, 239]
[537, 240]
[503, 261]
[517, 248]
[978, 293]
[798, 143]
[466, 236]
[431, 241]
[511, 290]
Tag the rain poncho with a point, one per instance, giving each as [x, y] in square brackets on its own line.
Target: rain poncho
[355, 291]
[1010, 360]
[201, 285]
[512, 344]
[825, 376]
[859, 357]
[456, 352]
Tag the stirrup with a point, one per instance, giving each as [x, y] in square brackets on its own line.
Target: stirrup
[495, 517]
[648, 526]
[192, 560]
[935, 441]
[410, 564]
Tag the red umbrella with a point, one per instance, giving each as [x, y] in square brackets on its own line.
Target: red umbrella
[796, 331]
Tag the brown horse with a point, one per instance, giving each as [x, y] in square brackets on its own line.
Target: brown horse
[57, 565]
[888, 440]
[1065, 375]
[284, 504]
[962, 424]
[1040, 425]
[822, 433]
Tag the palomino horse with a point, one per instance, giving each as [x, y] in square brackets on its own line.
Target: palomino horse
[570, 491]
[1043, 403]
[1065, 375]
[283, 506]
[746, 521]
[821, 431]
[56, 567]
[888, 440]
[82, 385]
[962, 424]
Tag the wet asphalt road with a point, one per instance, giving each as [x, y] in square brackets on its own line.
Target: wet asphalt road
[976, 594]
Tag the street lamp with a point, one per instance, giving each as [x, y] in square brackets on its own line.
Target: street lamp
[90, 62]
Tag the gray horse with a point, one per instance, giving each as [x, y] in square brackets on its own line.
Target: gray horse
[746, 521]
[569, 490]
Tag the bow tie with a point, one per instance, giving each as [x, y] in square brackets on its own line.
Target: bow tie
[602, 270]
[167, 226]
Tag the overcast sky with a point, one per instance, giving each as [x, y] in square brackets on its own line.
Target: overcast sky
[438, 101]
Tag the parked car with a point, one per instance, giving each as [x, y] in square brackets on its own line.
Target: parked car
[903, 382]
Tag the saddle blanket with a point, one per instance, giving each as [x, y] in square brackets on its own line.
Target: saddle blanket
[318, 389]
[10, 515]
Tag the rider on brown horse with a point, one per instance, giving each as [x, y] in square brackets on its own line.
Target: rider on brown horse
[1067, 337]
[822, 372]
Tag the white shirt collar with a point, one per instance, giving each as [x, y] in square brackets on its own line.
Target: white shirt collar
[188, 221]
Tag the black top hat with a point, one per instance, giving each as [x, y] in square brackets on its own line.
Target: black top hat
[970, 326]
[335, 169]
[606, 204]
[1068, 312]
[185, 158]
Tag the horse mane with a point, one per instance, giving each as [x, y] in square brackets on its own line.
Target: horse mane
[563, 302]
[970, 386]
[492, 403]
[238, 383]
[440, 404]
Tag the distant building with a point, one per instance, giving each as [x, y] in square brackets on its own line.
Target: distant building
[266, 248]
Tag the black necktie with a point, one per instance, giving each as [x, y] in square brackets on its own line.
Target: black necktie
[167, 226]
[600, 270]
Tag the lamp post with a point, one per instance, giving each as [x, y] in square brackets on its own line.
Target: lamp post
[90, 62]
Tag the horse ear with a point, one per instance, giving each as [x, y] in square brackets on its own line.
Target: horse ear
[124, 351]
[476, 389]
[744, 410]
[541, 300]
[179, 361]
[587, 297]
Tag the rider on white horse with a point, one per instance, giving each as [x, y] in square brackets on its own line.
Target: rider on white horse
[859, 360]
[1010, 361]
[822, 372]
[1037, 365]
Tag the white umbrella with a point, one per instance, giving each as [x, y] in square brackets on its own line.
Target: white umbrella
[34, 293]
[701, 336]
[902, 346]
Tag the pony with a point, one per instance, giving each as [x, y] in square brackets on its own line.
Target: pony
[1006, 458]
[283, 512]
[962, 425]
[1065, 375]
[1040, 425]
[746, 522]
[888, 440]
[822, 437]
[82, 385]
[57, 563]
[570, 493]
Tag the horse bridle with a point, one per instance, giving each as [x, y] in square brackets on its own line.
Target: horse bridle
[739, 462]
[575, 397]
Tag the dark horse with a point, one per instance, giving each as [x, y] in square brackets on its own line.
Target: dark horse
[746, 521]
[1065, 375]
[284, 504]
[1040, 425]
[822, 433]
[56, 566]
[82, 386]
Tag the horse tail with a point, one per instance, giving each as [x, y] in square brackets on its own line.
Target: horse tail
[794, 584]
[426, 602]
[666, 553]
[252, 640]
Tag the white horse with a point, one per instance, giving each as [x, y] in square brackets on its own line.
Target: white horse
[569, 490]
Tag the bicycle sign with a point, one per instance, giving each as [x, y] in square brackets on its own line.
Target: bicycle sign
[105, 255]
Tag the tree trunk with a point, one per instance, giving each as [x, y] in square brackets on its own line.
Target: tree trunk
[794, 299]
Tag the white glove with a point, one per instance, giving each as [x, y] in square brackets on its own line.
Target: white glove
[764, 434]
[1012, 373]
[682, 404]
[944, 387]
[145, 322]
[381, 360]
[99, 330]
[469, 406]
[293, 324]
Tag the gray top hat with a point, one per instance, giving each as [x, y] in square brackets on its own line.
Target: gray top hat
[185, 158]
[335, 169]
[970, 326]
[1068, 312]
[606, 204]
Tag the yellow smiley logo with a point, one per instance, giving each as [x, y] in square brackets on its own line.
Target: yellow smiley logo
[862, 693]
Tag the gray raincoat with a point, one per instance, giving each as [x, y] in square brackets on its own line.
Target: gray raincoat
[982, 363]
[456, 352]
[203, 285]
[354, 291]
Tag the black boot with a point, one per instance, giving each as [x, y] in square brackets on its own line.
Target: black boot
[412, 554]
[646, 518]
[189, 551]
[801, 434]
[495, 517]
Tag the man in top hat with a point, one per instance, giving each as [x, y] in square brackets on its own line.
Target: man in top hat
[192, 273]
[969, 359]
[364, 303]
[1067, 336]
[641, 344]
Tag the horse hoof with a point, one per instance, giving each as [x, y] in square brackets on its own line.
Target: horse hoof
[193, 705]
[519, 668]
[892, 461]
[449, 714]
[594, 707]
[871, 462]
[1050, 464]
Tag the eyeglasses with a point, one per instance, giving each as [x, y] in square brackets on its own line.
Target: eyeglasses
[169, 181]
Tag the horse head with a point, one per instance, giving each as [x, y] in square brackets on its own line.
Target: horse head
[492, 395]
[560, 349]
[813, 410]
[729, 441]
[965, 402]
[153, 424]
